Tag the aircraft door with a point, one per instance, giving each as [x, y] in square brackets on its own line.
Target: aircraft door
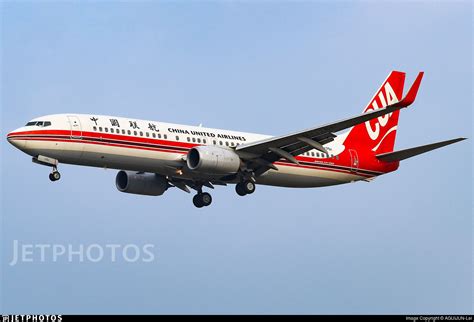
[75, 125]
[354, 160]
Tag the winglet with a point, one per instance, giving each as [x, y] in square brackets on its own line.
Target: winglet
[411, 95]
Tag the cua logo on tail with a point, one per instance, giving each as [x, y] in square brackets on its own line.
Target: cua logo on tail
[389, 98]
[379, 134]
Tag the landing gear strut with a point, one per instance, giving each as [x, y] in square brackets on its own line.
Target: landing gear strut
[202, 199]
[245, 187]
[55, 175]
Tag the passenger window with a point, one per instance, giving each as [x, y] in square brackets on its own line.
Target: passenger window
[111, 130]
[123, 131]
[129, 132]
[95, 128]
[312, 154]
[147, 134]
[220, 142]
[226, 143]
[214, 142]
[106, 129]
[135, 133]
[100, 128]
[177, 138]
[154, 135]
[141, 133]
[165, 136]
[204, 141]
[199, 140]
[159, 136]
[194, 140]
[189, 140]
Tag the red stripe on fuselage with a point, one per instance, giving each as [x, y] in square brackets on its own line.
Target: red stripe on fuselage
[170, 145]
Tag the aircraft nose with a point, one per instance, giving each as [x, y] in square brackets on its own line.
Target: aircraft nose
[15, 141]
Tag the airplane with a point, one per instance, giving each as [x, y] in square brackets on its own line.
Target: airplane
[154, 156]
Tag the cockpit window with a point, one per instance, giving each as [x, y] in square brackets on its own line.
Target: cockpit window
[39, 123]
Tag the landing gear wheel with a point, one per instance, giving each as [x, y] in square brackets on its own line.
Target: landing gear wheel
[202, 200]
[240, 189]
[197, 201]
[206, 199]
[245, 188]
[54, 176]
[248, 187]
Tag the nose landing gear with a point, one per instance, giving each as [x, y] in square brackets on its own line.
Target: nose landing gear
[49, 162]
[55, 175]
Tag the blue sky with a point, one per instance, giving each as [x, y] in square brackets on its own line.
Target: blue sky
[401, 244]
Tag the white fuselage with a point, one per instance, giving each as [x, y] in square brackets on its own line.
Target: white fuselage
[157, 147]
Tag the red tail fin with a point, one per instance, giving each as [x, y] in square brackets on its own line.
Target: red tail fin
[378, 135]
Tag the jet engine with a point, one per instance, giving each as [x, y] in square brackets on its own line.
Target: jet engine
[148, 184]
[213, 160]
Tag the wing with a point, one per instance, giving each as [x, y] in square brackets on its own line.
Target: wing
[261, 154]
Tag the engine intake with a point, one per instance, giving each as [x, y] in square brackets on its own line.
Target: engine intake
[148, 184]
[213, 160]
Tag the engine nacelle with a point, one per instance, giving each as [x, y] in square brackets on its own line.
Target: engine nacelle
[213, 160]
[148, 184]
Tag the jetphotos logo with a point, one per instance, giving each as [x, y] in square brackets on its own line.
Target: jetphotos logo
[88, 253]
[385, 99]
[32, 318]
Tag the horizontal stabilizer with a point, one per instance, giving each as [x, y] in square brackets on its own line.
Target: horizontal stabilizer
[408, 153]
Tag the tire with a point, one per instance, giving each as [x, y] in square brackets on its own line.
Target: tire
[197, 201]
[206, 199]
[248, 187]
[56, 175]
[239, 189]
[51, 177]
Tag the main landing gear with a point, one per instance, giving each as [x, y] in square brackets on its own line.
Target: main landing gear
[246, 187]
[55, 175]
[202, 199]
